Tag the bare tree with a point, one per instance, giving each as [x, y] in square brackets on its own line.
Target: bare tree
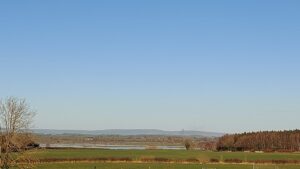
[187, 144]
[15, 120]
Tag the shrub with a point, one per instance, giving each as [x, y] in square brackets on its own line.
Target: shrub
[234, 160]
[214, 160]
[192, 160]
[161, 159]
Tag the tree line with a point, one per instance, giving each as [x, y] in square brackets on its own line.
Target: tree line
[286, 141]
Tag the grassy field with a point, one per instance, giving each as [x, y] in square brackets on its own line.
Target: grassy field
[137, 155]
[169, 154]
[158, 166]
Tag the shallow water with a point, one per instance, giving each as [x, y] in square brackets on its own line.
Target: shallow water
[113, 147]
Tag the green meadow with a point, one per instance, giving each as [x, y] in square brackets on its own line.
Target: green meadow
[87, 159]
[167, 154]
[159, 166]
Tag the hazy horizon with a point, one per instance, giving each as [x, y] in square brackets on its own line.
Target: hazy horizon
[205, 131]
[216, 66]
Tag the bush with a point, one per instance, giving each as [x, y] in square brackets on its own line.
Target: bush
[214, 160]
[234, 160]
[161, 159]
[192, 160]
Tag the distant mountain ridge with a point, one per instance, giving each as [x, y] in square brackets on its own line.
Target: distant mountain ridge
[125, 132]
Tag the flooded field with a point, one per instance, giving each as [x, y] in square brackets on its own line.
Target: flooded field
[111, 147]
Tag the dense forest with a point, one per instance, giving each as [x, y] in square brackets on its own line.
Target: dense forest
[261, 141]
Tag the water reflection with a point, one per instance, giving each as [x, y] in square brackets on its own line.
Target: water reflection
[112, 147]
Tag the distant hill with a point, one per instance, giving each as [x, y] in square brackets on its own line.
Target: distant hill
[125, 132]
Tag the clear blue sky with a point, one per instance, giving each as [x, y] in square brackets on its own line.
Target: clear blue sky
[214, 65]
